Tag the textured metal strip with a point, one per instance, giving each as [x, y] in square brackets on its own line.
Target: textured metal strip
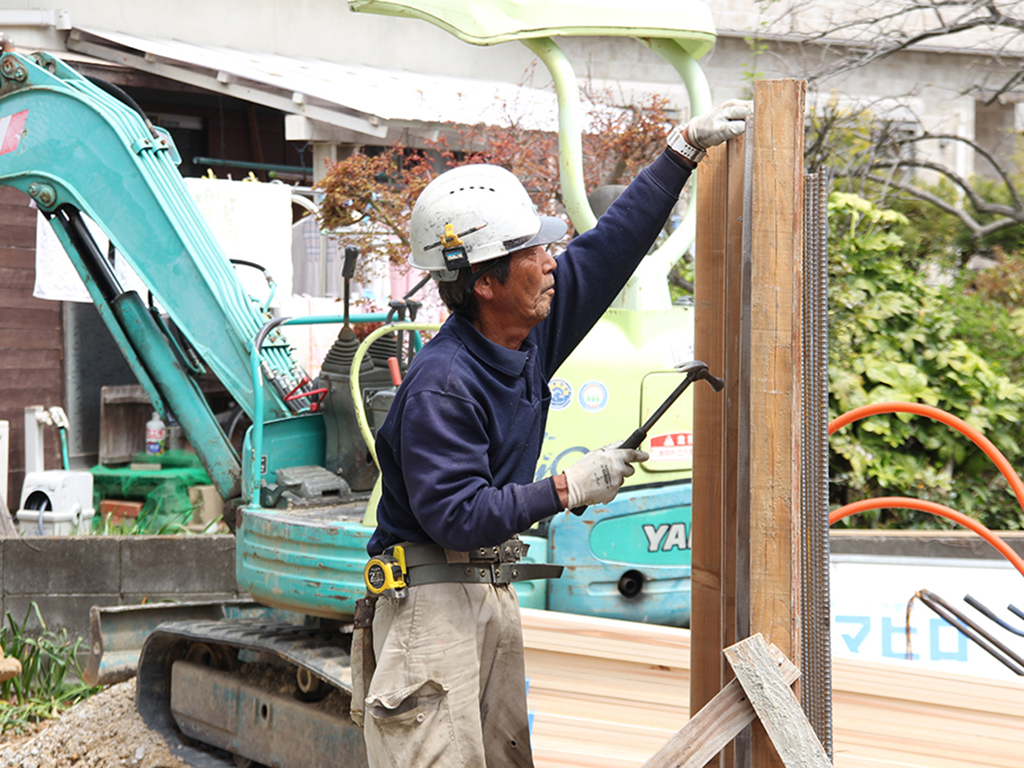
[742, 587]
[816, 662]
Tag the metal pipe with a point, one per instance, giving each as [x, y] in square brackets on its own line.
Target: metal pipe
[187, 403]
[972, 631]
[699, 91]
[255, 474]
[570, 132]
[985, 611]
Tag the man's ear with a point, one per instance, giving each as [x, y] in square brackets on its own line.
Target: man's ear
[484, 288]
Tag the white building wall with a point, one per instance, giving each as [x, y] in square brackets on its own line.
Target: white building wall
[932, 84]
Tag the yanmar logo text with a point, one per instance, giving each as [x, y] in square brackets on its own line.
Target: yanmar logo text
[666, 537]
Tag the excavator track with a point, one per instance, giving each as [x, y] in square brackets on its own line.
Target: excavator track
[248, 692]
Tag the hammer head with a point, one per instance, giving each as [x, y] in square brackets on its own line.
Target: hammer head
[696, 369]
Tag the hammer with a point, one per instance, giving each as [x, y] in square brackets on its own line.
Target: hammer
[694, 370]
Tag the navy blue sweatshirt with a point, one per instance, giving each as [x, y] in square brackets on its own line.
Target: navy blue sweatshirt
[459, 447]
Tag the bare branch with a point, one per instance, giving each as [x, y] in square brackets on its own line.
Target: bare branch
[1011, 185]
[978, 230]
[863, 39]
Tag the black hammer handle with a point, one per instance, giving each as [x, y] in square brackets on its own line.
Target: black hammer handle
[694, 370]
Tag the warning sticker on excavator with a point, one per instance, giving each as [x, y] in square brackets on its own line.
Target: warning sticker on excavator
[674, 446]
[10, 131]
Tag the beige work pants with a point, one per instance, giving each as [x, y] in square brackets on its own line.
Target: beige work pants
[450, 685]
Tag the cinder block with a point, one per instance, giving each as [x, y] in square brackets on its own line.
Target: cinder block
[71, 565]
[70, 612]
[177, 564]
[207, 505]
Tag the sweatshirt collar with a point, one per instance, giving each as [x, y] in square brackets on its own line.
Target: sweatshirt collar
[509, 361]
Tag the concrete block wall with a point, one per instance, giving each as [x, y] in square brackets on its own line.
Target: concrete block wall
[66, 576]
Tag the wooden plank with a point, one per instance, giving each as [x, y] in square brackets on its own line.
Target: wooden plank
[736, 443]
[30, 338]
[719, 314]
[31, 319]
[20, 298]
[719, 722]
[617, 710]
[44, 382]
[13, 197]
[776, 248]
[18, 258]
[777, 707]
[709, 426]
[19, 214]
[13, 279]
[38, 359]
[775, 357]
[19, 237]
[16, 400]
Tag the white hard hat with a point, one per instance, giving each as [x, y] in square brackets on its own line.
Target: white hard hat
[472, 214]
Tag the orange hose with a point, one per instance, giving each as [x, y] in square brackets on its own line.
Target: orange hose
[902, 502]
[946, 418]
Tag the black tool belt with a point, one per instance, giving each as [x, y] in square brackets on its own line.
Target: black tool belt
[430, 564]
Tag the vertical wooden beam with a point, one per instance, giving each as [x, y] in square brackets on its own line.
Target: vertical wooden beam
[709, 427]
[736, 443]
[718, 318]
[775, 360]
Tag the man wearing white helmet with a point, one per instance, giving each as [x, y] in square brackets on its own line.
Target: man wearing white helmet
[459, 448]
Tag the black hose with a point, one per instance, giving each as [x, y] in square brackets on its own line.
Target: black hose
[253, 264]
[120, 95]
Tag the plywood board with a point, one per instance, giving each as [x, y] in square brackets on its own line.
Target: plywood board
[611, 694]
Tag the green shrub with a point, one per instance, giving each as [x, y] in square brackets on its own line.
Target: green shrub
[50, 680]
[893, 336]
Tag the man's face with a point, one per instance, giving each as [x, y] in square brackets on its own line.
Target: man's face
[526, 295]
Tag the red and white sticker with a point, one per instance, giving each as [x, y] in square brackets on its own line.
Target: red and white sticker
[674, 446]
[10, 131]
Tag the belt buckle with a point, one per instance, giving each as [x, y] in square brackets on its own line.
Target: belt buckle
[500, 575]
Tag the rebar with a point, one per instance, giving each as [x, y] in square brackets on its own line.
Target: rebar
[815, 652]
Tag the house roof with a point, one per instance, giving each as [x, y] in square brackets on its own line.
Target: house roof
[362, 101]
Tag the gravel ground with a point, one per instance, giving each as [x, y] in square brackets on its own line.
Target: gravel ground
[104, 731]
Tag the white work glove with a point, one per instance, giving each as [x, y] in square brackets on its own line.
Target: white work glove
[724, 122]
[597, 477]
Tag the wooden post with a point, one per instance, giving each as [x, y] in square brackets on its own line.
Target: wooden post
[746, 494]
[776, 248]
[718, 254]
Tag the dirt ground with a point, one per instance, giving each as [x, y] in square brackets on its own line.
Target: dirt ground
[104, 731]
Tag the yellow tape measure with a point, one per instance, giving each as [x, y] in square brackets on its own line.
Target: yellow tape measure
[386, 573]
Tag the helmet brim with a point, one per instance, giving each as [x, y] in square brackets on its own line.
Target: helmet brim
[552, 229]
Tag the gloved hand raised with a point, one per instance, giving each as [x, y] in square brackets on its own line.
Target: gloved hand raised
[724, 122]
[597, 477]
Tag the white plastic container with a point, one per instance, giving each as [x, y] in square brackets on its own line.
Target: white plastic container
[156, 435]
[56, 503]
